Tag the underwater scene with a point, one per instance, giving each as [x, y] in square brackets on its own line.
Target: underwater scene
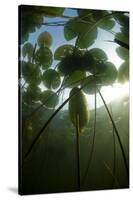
[73, 99]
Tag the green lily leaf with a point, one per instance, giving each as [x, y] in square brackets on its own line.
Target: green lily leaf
[49, 98]
[44, 39]
[27, 50]
[91, 84]
[122, 19]
[110, 74]
[87, 37]
[63, 51]
[72, 79]
[70, 63]
[98, 54]
[32, 94]
[123, 72]
[51, 11]
[123, 53]
[120, 36]
[44, 57]
[86, 33]
[51, 79]
[106, 23]
[31, 73]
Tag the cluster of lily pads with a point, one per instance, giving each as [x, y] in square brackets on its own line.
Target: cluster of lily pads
[77, 66]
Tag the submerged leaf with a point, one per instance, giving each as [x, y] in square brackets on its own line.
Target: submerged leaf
[32, 94]
[110, 74]
[51, 79]
[123, 53]
[98, 54]
[79, 109]
[31, 73]
[106, 23]
[72, 80]
[86, 33]
[27, 50]
[123, 38]
[44, 57]
[63, 51]
[91, 84]
[44, 39]
[123, 72]
[49, 98]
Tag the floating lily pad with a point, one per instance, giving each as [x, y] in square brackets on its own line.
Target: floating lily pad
[44, 39]
[91, 84]
[123, 53]
[73, 80]
[49, 98]
[44, 57]
[31, 73]
[63, 51]
[51, 79]
[27, 50]
[123, 72]
[109, 75]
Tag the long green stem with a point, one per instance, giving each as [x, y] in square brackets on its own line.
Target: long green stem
[117, 134]
[78, 152]
[114, 150]
[93, 143]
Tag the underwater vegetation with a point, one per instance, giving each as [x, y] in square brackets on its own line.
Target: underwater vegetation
[80, 147]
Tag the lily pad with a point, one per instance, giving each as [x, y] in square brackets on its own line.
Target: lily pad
[44, 57]
[51, 79]
[123, 72]
[27, 50]
[110, 74]
[63, 51]
[123, 53]
[49, 98]
[44, 39]
[73, 80]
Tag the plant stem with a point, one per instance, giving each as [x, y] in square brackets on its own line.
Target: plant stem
[117, 134]
[93, 143]
[114, 150]
[78, 152]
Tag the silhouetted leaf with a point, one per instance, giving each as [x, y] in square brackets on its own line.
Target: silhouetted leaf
[51, 11]
[44, 57]
[63, 51]
[86, 33]
[123, 53]
[106, 24]
[123, 72]
[31, 73]
[87, 37]
[49, 98]
[44, 39]
[51, 79]
[74, 77]
[92, 15]
[71, 63]
[91, 84]
[122, 19]
[110, 74]
[98, 54]
[32, 94]
[120, 36]
[27, 50]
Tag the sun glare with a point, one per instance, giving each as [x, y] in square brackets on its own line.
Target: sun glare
[110, 93]
[116, 91]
